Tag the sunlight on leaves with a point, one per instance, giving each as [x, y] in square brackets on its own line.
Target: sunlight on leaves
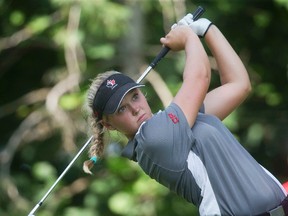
[104, 51]
[17, 18]
[232, 121]
[77, 211]
[263, 89]
[121, 202]
[255, 134]
[71, 101]
[224, 5]
[121, 167]
[282, 2]
[91, 200]
[39, 24]
[262, 19]
[274, 99]
[43, 170]
[23, 111]
[105, 185]
[146, 185]
[59, 36]
[267, 91]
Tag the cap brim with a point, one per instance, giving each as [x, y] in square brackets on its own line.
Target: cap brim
[115, 100]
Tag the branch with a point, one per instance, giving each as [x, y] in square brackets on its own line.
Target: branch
[27, 131]
[28, 99]
[26, 33]
[159, 86]
[73, 52]
[25, 128]
[172, 12]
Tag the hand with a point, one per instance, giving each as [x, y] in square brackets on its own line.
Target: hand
[178, 38]
[200, 27]
[186, 20]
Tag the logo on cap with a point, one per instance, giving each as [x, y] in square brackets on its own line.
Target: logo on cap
[111, 84]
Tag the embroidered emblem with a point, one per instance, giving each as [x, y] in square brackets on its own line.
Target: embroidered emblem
[173, 117]
[111, 84]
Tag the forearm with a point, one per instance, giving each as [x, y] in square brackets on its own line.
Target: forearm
[231, 68]
[196, 75]
[197, 63]
[196, 80]
[235, 82]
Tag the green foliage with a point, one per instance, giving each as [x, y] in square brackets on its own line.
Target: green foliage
[269, 93]
[17, 18]
[72, 101]
[44, 171]
[38, 24]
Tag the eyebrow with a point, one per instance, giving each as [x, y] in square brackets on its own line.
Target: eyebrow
[136, 90]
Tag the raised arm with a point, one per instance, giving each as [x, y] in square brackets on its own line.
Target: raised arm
[235, 82]
[196, 76]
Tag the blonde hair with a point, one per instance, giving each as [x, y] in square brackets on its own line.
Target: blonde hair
[96, 128]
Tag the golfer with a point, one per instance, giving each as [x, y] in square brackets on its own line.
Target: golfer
[186, 147]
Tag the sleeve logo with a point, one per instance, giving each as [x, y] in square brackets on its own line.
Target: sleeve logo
[173, 117]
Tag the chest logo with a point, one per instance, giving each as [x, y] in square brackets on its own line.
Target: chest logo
[173, 117]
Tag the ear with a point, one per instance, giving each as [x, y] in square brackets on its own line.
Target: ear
[107, 125]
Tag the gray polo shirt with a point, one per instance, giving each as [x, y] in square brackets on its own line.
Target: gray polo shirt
[204, 164]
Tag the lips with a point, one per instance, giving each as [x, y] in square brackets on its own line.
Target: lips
[141, 118]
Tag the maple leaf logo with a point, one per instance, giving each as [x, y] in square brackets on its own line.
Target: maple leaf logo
[111, 84]
[173, 117]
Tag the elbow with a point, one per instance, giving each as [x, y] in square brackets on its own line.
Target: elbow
[246, 89]
[201, 73]
[249, 88]
[205, 77]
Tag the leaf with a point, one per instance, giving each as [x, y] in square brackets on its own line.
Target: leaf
[38, 24]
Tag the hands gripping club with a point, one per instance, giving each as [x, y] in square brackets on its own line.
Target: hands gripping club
[189, 19]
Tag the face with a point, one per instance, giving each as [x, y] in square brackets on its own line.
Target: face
[132, 112]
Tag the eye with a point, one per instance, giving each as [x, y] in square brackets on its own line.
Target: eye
[135, 96]
[121, 109]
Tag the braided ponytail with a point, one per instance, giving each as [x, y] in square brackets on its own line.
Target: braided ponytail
[96, 128]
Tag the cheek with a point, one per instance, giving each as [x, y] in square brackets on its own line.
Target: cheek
[126, 125]
[122, 122]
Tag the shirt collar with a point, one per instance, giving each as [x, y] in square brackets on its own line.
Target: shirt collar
[129, 150]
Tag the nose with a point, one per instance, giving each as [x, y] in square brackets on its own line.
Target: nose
[135, 109]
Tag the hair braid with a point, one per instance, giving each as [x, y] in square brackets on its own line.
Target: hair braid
[96, 127]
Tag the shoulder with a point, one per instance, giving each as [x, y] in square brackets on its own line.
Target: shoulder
[167, 133]
[163, 122]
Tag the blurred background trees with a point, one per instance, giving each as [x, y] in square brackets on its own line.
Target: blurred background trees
[50, 49]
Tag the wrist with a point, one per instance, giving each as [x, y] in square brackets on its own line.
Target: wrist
[190, 41]
[211, 26]
[210, 33]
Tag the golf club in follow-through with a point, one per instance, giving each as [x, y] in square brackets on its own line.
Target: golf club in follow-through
[196, 14]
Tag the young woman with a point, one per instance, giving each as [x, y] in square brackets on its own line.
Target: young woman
[186, 147]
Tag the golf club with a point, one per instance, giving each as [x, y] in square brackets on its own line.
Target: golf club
[196, 14]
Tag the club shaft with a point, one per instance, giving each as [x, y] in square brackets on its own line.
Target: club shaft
[60, 177]
[196, 15]
[144, 74]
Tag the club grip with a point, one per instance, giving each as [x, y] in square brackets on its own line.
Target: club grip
[196, 15]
